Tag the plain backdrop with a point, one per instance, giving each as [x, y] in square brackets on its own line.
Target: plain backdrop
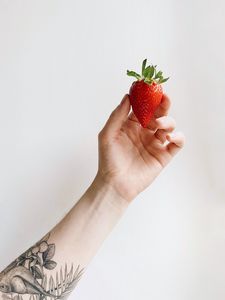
[62, 71]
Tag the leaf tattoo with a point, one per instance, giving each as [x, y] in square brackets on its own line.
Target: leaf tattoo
[26, 275]
[49, 253]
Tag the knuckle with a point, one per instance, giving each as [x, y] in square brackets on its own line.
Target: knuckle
[173, 122]
[102, 136]
[113, 113]
[166, 122]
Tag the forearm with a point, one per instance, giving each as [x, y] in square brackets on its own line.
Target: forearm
[130, 158]
[72, 242]
[79, 235]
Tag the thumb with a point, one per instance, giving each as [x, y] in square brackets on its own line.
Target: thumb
[118, 116]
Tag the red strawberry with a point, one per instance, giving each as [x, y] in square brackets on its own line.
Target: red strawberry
[146, 92]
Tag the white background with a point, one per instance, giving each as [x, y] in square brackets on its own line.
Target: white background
[62, 70]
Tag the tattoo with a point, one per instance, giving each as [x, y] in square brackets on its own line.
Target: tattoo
[26, 275]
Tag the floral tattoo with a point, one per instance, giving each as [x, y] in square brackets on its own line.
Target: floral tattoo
[26, 275]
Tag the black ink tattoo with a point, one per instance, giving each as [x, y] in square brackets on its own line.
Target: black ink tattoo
[26, 275]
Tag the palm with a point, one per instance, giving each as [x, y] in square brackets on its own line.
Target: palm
[137, 155]
[147, 152]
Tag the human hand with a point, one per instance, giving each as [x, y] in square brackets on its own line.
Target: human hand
[130, 156]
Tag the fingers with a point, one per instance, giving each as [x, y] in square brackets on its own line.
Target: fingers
[167, 123]
[164, 107]
[176, 142]
[164, 125]
[118, 116]
[132, 117]
[162, 110]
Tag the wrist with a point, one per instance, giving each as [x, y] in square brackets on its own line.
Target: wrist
[119, 184]
[102, 190]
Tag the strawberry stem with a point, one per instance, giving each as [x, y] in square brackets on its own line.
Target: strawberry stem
[149, 74]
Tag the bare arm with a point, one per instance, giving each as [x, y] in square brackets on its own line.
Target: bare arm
[130, 157]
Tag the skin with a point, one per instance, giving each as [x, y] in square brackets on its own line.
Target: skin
[19, 280]
[130, 158]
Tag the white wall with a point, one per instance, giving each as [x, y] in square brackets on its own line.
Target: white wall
[61, 58]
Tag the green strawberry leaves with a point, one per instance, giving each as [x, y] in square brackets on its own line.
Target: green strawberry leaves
[143, 66]
[163, 80]
[134, 74]
[149, 74]
[158, 74]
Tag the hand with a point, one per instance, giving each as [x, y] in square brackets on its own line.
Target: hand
[131, 157]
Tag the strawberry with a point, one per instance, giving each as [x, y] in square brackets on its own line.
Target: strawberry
[146, 92]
